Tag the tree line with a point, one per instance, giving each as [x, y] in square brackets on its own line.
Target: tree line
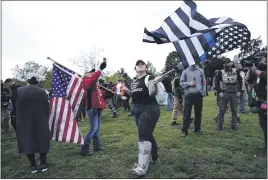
[88, 61]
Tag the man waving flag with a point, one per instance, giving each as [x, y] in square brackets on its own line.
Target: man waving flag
[197, 38]
[67, 93]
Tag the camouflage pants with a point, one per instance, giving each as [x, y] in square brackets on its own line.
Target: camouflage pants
[109, 102]
[178, 107]
[4, 120]
[222, 103]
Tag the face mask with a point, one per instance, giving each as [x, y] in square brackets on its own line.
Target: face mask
[263, 67]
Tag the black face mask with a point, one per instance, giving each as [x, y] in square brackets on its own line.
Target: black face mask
[262, 67]
[227, 69]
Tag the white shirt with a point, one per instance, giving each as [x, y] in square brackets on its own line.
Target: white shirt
[118, 86]
[242, 74]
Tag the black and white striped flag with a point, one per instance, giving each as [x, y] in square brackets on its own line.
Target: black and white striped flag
[197, 38]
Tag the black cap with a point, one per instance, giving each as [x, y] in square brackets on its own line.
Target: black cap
[92, 70]
[261, 55]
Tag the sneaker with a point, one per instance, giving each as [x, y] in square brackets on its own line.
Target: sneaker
[33, 169]
[130, 115]
[150, 164]
[184, 133]
[44, 167]
[155, 162]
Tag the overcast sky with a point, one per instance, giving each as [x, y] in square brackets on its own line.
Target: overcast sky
[66, 30]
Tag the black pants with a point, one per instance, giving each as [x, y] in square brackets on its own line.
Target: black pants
[83, 110]
[43, 159]
[263, 124]
[126, 104]
[189, 101]
[13, 122]
[146, 117]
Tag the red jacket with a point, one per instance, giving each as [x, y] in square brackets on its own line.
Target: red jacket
[96, 98]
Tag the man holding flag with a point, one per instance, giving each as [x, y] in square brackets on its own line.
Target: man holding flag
[94, 106]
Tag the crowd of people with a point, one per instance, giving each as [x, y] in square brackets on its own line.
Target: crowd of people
[185, 90]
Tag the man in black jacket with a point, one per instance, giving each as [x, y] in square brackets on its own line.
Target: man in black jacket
[33, 134]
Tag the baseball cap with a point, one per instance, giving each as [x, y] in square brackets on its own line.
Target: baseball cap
[140, 61]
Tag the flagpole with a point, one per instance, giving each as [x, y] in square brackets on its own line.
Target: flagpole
[168, 72]
[49, 58]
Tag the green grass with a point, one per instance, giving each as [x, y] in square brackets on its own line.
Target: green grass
[225, 154]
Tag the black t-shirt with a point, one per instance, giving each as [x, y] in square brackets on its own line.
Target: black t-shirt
[140, 93]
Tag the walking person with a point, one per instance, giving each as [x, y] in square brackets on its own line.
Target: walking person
[94, 105]
[146, 112]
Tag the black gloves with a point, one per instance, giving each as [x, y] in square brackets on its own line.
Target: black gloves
[103, 65]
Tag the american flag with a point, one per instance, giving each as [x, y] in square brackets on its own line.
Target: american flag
[194, 36]
[67, 93]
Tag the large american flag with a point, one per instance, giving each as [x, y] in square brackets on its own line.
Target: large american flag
[67, 93]
[194, 36]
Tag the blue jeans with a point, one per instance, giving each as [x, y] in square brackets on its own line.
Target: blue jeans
[242, 101]
[95, 121]
[169, 100]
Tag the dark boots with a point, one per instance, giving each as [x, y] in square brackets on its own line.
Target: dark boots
[96, 145]
[85, 148]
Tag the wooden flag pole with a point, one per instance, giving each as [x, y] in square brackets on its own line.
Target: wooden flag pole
[77, 73]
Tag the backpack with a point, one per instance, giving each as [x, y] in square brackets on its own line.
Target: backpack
[161, 95]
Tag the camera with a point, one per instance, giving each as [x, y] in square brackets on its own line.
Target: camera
[249, 62]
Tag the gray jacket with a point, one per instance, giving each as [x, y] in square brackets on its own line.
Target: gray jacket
[187, 78]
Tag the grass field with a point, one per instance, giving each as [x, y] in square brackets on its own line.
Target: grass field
[225, 154]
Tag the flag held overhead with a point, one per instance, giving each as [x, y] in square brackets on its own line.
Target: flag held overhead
[197, 38]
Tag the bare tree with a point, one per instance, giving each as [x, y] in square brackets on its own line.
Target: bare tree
[90, 60]
[29, 68]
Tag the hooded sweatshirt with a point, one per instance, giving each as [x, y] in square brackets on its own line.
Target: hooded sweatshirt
[191, 74]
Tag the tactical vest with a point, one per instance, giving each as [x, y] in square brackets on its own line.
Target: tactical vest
[229, 81]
